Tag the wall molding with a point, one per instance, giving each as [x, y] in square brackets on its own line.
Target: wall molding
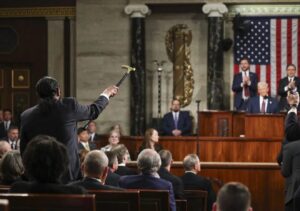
[37, 12]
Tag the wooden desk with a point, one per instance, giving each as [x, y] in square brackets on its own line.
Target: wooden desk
[236, 124]
[222, 149]
[264, 125]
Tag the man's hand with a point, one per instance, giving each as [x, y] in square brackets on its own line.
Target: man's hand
[292, 85]
[176, 132]
[111, 91]
[293, 99]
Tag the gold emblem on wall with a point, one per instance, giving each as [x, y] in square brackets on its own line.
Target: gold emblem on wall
[178, 41]
[20, 78]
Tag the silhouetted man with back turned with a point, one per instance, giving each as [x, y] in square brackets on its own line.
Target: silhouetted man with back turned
[58, 117]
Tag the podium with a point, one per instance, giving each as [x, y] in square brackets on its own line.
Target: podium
[264, 125]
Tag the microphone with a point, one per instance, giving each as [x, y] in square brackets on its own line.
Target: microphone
[266, 97]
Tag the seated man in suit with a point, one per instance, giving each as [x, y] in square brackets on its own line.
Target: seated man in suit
[7, 122]
[83, 140]
[192, 181]
[95, 168]
[176, 122]
[148, 163]
[289, 83]
[123, 156]
[244, 85]
[92, 130]
[46, 161]
[164, 173]
[233, 196]
[13, 137]
[263, 103]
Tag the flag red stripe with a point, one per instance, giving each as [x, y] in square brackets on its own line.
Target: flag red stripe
[289, 41]
[236, 68]
[268, 76]
[278, 50]
[257, 71]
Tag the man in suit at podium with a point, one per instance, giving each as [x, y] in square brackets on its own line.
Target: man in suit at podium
[289, 83]
[176, 122]
[263, 103]
[244, 85]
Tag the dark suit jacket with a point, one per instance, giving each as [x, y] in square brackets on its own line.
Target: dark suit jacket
[148, 182]
[254, 106]
[93, 184]
[34, 187]
[297, 200]
[290, 169]
[176, 182]
[192, 181]
[61, 123]
[283, 94]
[292, 127]
[3, 132]
[112, 179]
[238, 90]
[124, 170]
[184, 124]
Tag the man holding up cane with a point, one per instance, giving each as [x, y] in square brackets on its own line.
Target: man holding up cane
[58, 117]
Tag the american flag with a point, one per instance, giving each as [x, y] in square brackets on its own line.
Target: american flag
[270, 44]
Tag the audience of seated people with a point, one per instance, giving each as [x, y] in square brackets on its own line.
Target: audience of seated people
[112, 178]
[113, 140]
[13, 137]
[148, 163]
[233, 196]
[192, 181]
[4, 148]
[45, 161]
[123, 156]
[11, 167]
[83, 140]
[95, 168]
[164, 173]
[151, 141]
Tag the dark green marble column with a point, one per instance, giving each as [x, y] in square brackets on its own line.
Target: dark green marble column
[138, 77]
[215, 69]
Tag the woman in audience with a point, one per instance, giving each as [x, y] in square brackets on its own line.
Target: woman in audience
[151, 141]
[11, 167]
[117, 128]
[45, 161]
[113, 141]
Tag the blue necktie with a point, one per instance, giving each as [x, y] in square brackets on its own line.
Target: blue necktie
[176, 120]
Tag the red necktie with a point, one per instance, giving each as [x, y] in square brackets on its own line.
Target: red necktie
[246, 91]
[263, 107]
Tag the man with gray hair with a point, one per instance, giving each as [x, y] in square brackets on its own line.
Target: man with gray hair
[148, 163]
[4, 147]
[263, 103]
[164, 173]
[192, 181]
[95, 168]
[233, 196]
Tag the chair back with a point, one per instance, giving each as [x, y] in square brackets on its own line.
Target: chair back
[4, 205]
[196, 200]
[181, 205]
[116, 200]
[154, 200]
[49, 202]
